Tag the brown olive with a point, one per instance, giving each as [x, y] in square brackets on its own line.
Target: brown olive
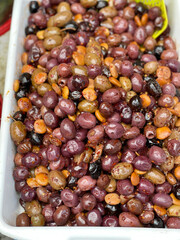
[135, 206]
[122, 170]
[18, 131]
[57, 180]
[88, 3]
[22, 220]
[162, 117]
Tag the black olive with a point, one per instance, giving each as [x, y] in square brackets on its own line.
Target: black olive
[123, 45]
[104, 51]
[71, 27]
[138, 63]
[50, 11]
[84, 26]
[158, 50]
[153, 88]
[33, 6]
[71, 181]
[154, 142]
[30, 29]
[35, 138]
[101, 4]
[21, 93]
[75, 95]
[106, 71]
[176, 191]
[149, 52]
[112, 209]
[135, 103]
[19, 116]
[149, 116]
[80, 82]
[25, 80]
[177, 93]
[157, 223]
[148, 77]
[140, 9]
[95, 169]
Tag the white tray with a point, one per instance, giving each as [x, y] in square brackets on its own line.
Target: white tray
[9, 204]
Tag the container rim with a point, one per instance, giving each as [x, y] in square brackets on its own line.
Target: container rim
[66, 233]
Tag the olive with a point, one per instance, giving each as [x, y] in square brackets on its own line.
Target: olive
[37, 220]
[140, 9]
[75, 95]
[95, 169]
[157, 223]
[154, 142]
[177, 192]
[158, 51]
[19, 116]
[18, 131]
[33, 6]
[135, 103]
[106, 71]
[112, 209]
[30, 29]
[138, 63]
[148, 78]
[25, 80]
[72, 181]
[153, 88]
[71, 27]
[101, 4]
[22, 220]
[35, 138]
[80, 82]
[21, 93]
[104, 51]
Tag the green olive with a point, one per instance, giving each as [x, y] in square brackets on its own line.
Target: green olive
[53, 76]
[43, 88]
[50, 22]
[60, 19]
[63, 6]
[92, 58]
[109, 12]
[87, 106]
[51, 31]
[37, 220]
[52, 41]
[79, 70]
[33, 208]
[102, 83]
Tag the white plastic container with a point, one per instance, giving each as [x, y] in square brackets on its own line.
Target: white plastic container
[9, 200]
